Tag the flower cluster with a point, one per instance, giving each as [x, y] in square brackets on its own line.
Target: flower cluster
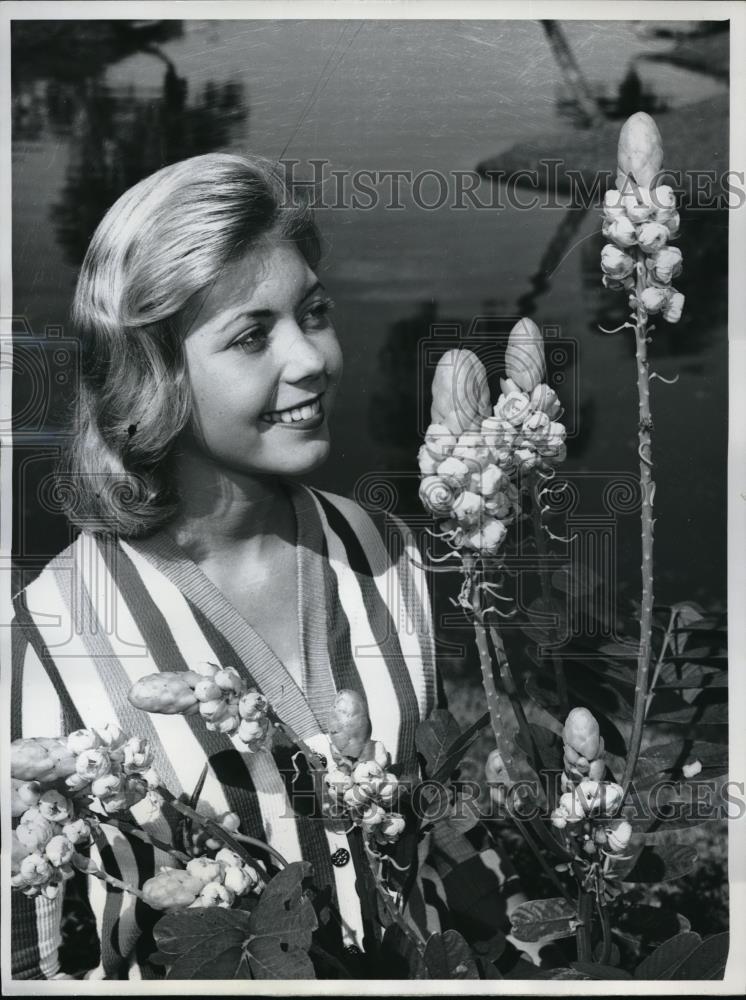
[524, 428]
[44, 843]
[469, 466]
[201, 840]
[101, 770]
[588, 803]
[640, 220]
[467, 488]
[218, 694]
[217, 881]
[367, 792]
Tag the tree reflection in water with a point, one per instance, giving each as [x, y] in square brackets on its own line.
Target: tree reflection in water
[118, 138]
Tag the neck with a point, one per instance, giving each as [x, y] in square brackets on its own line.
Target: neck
[221, 509]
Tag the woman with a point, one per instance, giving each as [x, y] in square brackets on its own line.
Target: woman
[210, 369]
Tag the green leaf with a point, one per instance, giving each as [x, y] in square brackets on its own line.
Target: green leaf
[204, 943]
[435, 739]
[448, 956]
[548, 744]
[654, 924]
[665, 760]
[399, 957]
[662, 862]
[281, 927]
[546, 621]
[707, 961]
[576, 580]
[690, 675]
[667, 956]
[595, 971]
[543, 919]
[459, 747]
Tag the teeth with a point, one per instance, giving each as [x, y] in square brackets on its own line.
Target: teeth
[290, 416]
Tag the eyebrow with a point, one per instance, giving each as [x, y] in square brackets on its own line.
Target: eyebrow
[264, 313]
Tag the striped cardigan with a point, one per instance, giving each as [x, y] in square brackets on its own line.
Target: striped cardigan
[106, 611]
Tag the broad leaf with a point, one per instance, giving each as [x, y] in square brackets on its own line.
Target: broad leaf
[547, 621]
[281, 927]
[548, 744]
[665, 959]
[543, 919]
[435, 739]
[662, 862]
[399, 957]
[576, 580]
[448, 956]
[654, 924]
[459, 747]
[204, 943]
[707, 961]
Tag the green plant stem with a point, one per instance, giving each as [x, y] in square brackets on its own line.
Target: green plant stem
[647, 488]
[603, 915]
[222, 835]
[585, 926]
[546, 593]
[85, 865]
[135, 831]
[659, 662]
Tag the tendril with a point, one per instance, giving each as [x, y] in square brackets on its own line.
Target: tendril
[558, 538]
[442, 559]
[667, 381]
[624, 326]
[642, 457]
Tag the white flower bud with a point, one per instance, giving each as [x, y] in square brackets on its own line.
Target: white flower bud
[454, 469]
[229, 679]
[621, 231]
[76, 831]
[616, 263]
[654, 298]
[215, 894]
[692, 769]
[673, 308]
[467, 508]
[92, 764]
[59, 850]
[207, 690]
[55, 807]
[489, 539]
[83, 739]
[427, 463]
[619, 836]
[652, 236]
[205, 870]
[229, 857]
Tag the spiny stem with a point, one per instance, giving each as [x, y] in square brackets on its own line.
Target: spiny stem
[546, 593]
[647, 487]
[85, 865]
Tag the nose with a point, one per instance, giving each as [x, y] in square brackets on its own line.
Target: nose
[301, 357]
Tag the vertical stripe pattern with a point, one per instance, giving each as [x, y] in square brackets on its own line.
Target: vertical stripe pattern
[107, 612]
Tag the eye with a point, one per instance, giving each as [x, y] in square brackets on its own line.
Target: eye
[252, 340]
[316, 317]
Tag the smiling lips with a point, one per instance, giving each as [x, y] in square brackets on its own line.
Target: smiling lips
[297, 414]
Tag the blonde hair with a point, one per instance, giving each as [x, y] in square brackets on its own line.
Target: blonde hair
[164, 240]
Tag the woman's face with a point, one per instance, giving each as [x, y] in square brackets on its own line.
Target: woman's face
[263, 362]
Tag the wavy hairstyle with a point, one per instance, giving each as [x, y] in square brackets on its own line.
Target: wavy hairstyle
[165, 240]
